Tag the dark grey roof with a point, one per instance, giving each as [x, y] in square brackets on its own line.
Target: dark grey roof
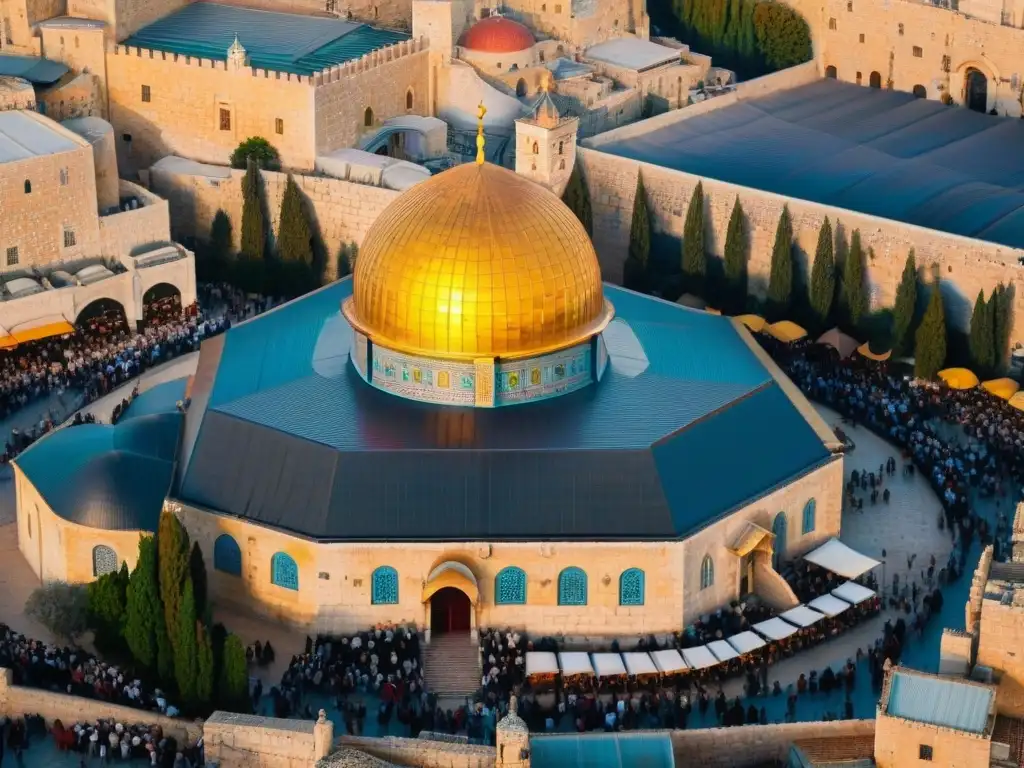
[879, 152]
[291, 437]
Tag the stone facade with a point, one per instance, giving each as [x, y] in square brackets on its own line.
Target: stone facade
[899, 742]
[1001, 638]
[247, 741]
[424, 753]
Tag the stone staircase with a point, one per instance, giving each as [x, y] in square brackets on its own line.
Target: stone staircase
[451, 665]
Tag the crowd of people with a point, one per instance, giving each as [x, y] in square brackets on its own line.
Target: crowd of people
[108, 740]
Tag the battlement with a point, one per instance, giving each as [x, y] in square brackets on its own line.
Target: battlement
[197, 62]
[371, 60]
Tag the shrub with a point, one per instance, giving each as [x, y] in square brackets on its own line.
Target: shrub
[60, 607]
[259, 150]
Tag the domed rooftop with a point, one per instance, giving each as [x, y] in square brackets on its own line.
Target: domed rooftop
[496, 34]
[477, 262]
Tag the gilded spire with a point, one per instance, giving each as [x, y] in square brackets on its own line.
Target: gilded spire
[480, 141]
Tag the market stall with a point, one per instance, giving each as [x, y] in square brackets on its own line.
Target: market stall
[722, 650]
[746, 642]
[640, 666]
[608, 664]
[835, 556]
[853, 593]
[828, 605]
[801, 616]
[699, 657]
[775, 629]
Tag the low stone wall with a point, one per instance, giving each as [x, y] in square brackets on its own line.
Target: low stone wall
[125, 232]
[756, 744]
[423, 753]
[17, 701]
[247, 741]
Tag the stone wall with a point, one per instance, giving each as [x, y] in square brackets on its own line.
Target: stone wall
[343, 210]
[17, 701]
[423, 753]
[755, 744]
[898, 744]
[248, 741]
[1000, 641]
[124, 232]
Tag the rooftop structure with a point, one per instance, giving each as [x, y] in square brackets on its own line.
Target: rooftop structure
[35, 69]
[946, 702]
[609, 750]
[878, 152]
[275, 41]
[496, 34]
[632, 53]
[23, 136]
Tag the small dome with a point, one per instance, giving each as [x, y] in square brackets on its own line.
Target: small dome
[496, 34]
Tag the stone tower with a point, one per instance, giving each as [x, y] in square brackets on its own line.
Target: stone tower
[238, 59]
[546, 144]
[513, 740]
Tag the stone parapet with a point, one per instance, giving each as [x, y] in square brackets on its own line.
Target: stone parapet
[423, 753]
[370, 60]
[198, 62]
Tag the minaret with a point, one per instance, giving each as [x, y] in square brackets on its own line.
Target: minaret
[546, 143]
[238, 59]
[513, 739]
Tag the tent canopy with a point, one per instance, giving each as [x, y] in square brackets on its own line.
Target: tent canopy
[828, 605]
[745, 642]
[835, 556]
[1017, 401]
[1005, 388]
[608, 664]
[775, 629]
[575, 663]
[864, 350]
[853, 593]
[668, 661]
[541, 663]
[959, 378]
[786, 331]
[802, 616]
[755, 323]
[839, 341]
[722, 650]
[33, 330]
[699, 657]
[639, 664]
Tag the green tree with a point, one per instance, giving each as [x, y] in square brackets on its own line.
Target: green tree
[780, 279]
[197, 570]
[695, 259]
[172, 561]
[186, 656]
[204, 668]
[853, 296]
[143, 610]
[635, 270]
[982, 335]
[1002, 303]
[233, 687]
[60, 607]
[218, 249]
[254, 229]
[823, 275]
[736, 257]
[295, 242]
[108, 597]
[905, 308]
[930, 340]
[783, 37]
[257, 149]
[577, 197]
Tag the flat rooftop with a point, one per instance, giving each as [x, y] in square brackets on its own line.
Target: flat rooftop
[632, 53]
[23, 137]
[874, 151]
[945, 702]
[282, 42]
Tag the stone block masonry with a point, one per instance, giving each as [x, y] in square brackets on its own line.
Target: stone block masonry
[756, 744]
[423, 752]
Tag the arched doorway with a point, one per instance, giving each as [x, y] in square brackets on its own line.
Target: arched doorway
[875, 81]
[161, 302]
[976, 90]
[831, 72]
[102, 315]
[779, 550]
[450, 611]
[920, 92]
[521, 88]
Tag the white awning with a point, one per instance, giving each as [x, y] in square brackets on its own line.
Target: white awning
[853, 593]
[835, 556]
[541, 663]
[745, 642]
[699, 657]
[608, 664]
[775, 629]
[802, 616]
[668, 661]
[830, 606]
[639, 664]
[575, 663]
[722, 650]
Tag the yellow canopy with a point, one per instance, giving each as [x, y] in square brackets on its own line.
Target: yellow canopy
[865, 351]
[1017, 401]
[42, 328]
[1004, 388]
[755, 323]
[959, 378]
[786, 331]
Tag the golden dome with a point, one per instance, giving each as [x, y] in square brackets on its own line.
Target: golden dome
[477, 262]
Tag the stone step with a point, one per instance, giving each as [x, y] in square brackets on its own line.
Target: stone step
[451, 666]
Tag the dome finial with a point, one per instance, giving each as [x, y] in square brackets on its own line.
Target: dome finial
[481, 111]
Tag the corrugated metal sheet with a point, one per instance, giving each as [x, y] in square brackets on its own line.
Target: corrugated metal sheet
[879, 152]
[35, 69]
[603, 750]
[277, 41]
[938, 701]
[163, 398]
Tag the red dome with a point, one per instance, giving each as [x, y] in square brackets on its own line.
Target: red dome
[496, 34]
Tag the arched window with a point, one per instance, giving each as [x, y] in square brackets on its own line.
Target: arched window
[408, 99]
[284, 572]
[572, 586]
[920, 92]
[831, 72]
[384, 586]
[227, 557]
[510, 586]
[28, 187]
[521, 88]
[536, 149]
[809, 509]
[104, 560]
[631, 587]
[875, 80]
[561, 147]
[368, 117]
[707, 572]
[780, 529]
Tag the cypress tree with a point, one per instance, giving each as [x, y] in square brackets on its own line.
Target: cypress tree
[635, 270]
[233, 686]
[577, 198]
[251, 269]
[736, 256]
[173, 547]
[294, 240]
[164, 651]
[982, 335]
[186, 657]
[853, 297]
[142, 607]
[930, 340]
[204, 667]
[220, 245]
[197, 570]
[780, 281]
[905, 307]
[108, 597]
[823, 275]
[695, 260]
[1002, 302]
